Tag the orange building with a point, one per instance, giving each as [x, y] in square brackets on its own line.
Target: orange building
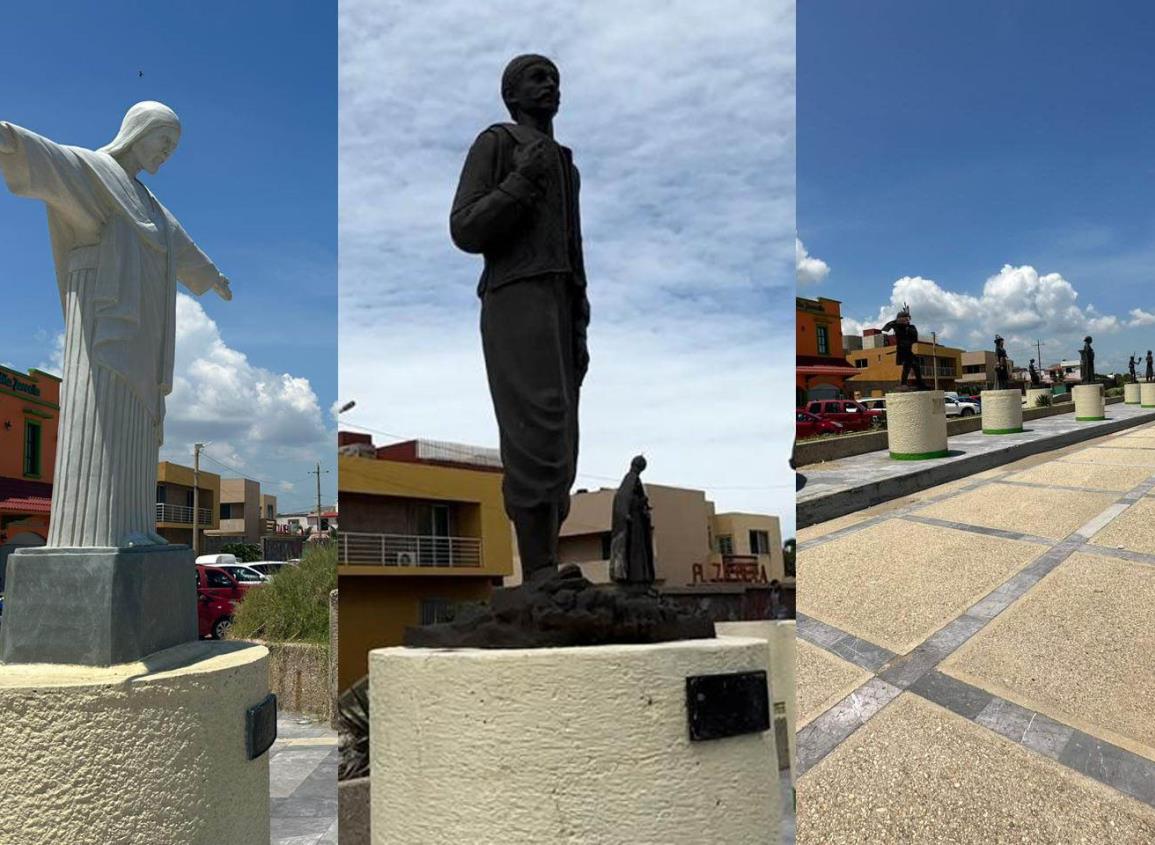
[821, 368]
[29, 418]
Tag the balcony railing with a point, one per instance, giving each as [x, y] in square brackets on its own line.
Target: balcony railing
[182, 514]
[360, 549]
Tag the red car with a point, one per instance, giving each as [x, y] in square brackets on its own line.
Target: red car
[851, 415]
[217, 595]
[808, 425]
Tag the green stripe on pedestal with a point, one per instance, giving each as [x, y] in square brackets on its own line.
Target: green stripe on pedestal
[1003, 430]
[1089, 419]
[917, 456]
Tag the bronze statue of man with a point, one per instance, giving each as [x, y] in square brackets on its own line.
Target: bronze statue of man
[1087, 362]
[632, 530]
[517, 205]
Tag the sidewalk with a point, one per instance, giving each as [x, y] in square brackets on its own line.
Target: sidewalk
[975, 660]
[847, 485]
[303, 783]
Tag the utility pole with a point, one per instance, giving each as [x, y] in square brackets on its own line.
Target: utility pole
[934, 357]
[317, 472]
[196, 543]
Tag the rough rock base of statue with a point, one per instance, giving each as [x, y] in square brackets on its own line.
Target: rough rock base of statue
[1147, 394]
[137, 754]
[1002, 411]
[562, 608]
[1089, 405]
[1131, 392]
[916, 425]
[548, 746]
[97, 607]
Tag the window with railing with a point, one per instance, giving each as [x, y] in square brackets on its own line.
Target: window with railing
[182, 514]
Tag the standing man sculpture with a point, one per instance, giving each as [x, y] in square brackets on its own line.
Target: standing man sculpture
[1002, 374]
[1035, 380]
[905, 337]
[1087, 362]
[632, 531]
[1150, 374]
[517, 205]
[118, 254]
[1131, 369]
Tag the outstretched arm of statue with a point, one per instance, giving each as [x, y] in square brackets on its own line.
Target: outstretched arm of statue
[7, 139]
[485, 210]
[195, 270]
[37, 168]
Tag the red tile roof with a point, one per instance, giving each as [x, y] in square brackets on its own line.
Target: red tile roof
[18, 495]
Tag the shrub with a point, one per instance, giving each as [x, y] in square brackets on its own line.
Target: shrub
[243, 552]
[1114, 391]
[1043, 400]
[294, 605]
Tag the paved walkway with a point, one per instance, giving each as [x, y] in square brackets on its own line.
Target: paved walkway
[976, 662]
[303, 783]
[846, 485]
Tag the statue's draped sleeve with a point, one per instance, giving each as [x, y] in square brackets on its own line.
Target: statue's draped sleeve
[485, 209]
[194, 269]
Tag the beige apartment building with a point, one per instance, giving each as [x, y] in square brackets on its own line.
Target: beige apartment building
[175, 514]
[246, 514]
[693, 545]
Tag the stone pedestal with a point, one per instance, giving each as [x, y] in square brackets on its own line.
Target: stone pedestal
[563, 745]
[780, 636]
[1033, 394]
[136, 754]
[1089, 406]
[1002, 411]
[97, 607]
[916, 425]
[1147, 394]
[1131, 392]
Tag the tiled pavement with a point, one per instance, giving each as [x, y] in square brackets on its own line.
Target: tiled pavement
[1012, 697]
[303, 783]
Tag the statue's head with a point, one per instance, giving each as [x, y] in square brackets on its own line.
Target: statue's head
[1087, 339]
[638, 464]
[1032, 362]
[531, 84]
[149, 134]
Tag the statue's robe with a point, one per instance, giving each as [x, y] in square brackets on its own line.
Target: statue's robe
[631, 538]
[118, 255]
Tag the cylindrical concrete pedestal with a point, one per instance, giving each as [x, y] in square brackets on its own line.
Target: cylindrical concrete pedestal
[1002, 411]
[1147, 394]
[135, 754]
[563, 745]
[1131, 393]
[1033, 394]
[916, 425]
[1089, 405]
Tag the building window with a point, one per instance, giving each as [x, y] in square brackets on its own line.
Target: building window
[725, 544]
[759, 542]
[436, 611]
[823, 340]
[32, 448]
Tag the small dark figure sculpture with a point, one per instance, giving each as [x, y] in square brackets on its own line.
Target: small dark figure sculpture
[1001, 375]
[632, 538]
[517, 204]
[905, 336]
[1150, 375]
[1087, 362]
[1036, 381]
[1131, 368]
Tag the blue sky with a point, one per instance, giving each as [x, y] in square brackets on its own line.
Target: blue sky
[681, 118]
[989, 162]
[254, 183]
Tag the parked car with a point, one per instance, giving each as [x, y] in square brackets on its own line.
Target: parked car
[809, 425]
[269, 568]
[244, 573]
[217, 595]
[958, 408]
[216, 560]
[851, 415]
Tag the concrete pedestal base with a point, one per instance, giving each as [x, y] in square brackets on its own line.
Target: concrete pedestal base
[1033, 394]
[563, 745]
[1147, 394]
[916, 425]
[136, 754]
[1089, 404]
[780, 635]
[97, 607]
[1131, 391]
[1002, 411]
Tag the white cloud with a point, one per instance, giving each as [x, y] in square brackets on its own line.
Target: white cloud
[55, 362]
[681, 117]
[259, 423]
[808, 269]
[1017, 302]
[1139, 317]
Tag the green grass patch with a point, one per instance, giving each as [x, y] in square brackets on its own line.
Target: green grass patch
[294, 605]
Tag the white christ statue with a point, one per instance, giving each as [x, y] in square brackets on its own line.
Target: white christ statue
[119, 254]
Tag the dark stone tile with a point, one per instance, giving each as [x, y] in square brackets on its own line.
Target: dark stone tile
[951, 693]
[1118, 768]
[1030, 729]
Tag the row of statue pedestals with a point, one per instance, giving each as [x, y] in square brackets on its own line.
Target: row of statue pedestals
[916, 420]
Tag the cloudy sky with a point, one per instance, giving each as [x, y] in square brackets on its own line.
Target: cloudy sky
[253, 181]
[681, 118]
[990, 163]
